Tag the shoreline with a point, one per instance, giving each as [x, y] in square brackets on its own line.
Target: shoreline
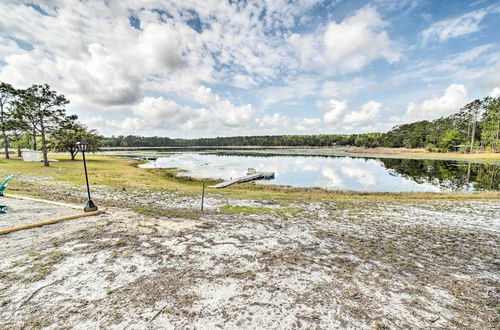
[396, 153]
[124, 173]
[480, 158]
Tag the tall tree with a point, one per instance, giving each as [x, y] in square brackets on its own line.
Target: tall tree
[70, 132]
[7, 95]
[490, 125]
[450, 139]
[24, 112]
[471, 113]
[44, 109]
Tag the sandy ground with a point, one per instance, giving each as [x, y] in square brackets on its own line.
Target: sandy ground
[345, 264]
[23, 212]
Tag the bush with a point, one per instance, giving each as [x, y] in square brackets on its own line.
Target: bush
[431, 148]
[450, 139]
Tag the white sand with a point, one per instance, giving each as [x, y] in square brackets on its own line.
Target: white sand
[23, 212]
[344, 264]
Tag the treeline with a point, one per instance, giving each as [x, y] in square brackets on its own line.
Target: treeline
[261, 140]
[474, 127]
[35, 118]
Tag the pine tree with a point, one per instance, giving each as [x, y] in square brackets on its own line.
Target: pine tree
[43, 109]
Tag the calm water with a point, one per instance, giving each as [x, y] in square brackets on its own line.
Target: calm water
[342, 173]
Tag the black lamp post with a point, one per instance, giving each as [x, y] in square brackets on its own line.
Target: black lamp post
[83, 146]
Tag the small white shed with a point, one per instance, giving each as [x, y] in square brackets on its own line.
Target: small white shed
[32, 156]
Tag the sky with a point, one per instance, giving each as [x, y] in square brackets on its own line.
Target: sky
[190, 68]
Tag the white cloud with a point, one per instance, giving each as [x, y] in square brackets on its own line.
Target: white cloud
[190, 55]
[358, 40]
[369, 112]
[308, 124]
[100, 78]
[296, 89]
[479, 64]
[495, 92]
[338, 115]
[451, 101]
[488, 77]
[231, 116]
[334, 111]
[244, 81]
[162, 113]
[471, 54]
[205, 96]
[273, 121]
[224, 111]
[8, 47]
[157, 114]
[459, 26]
[343, 89]
[153, 115]
[333, 177]
[90, 52]
[159, 47]
[349, 45]
[363, 174]
[309, 49]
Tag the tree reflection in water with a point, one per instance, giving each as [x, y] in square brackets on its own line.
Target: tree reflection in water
[341, 173]
[448, 175]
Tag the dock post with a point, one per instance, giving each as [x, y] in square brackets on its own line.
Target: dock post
[202, 194]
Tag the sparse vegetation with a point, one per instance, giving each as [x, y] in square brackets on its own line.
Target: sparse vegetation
[355, 253]
[235, 209]
[38, 265]
[124, 174]
[120, 242]
[162, 212]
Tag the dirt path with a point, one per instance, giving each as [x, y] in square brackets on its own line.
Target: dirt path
[357, 264]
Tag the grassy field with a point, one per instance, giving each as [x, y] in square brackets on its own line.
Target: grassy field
[124, 173]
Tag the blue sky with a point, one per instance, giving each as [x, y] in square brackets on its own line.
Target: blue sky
[215, 68]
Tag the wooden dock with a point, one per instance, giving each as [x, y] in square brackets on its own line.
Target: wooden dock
[246, 178]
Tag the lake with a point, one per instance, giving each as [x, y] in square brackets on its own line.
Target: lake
[341, 173]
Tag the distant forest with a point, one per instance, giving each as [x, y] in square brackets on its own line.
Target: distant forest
[474, 127]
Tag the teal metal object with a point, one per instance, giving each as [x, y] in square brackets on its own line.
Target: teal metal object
[4, 185]
[2, 209]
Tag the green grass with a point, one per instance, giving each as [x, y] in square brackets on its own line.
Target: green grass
[104, 170]
[120, 242]
[293, 211]
[38, 266]
[161, 212]
[235, 209]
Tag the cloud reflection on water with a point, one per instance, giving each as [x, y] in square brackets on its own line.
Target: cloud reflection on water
[334, 173]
